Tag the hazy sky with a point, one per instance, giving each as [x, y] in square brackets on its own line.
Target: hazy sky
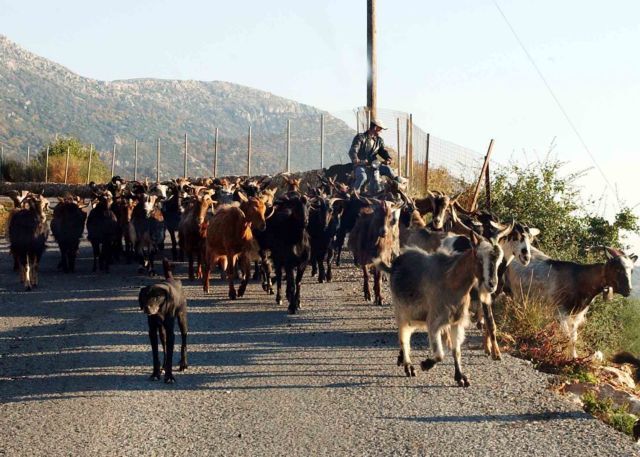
[454, 64]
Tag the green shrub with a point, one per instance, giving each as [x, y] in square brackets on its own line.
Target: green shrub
[618, 417]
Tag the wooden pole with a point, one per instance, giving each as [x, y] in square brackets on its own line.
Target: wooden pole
[66, 167]
[399, 155]
[410, 146]
[113, 161]
[89, 165]
[135, 160]
[321, 141]
[426, 166]
[215, 155]
[482, 174]
[28, 155]
[372, 60]
[487, 184]
[186, 152]
[249, 152]
[46, 166]
[358, 121]
[406, 151]
[2, 163]
[289, 145]
[158, 160]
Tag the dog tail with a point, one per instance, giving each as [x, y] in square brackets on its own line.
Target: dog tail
[626, 357]
[168, 268]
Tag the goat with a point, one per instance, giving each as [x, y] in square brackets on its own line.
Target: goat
[439, 205]
[570, 287]
[229, 238]
[286, 235]
[374, 236]
[323, 224]
[350, 211]
[67, 226]
[148, 222]
[192, 234]
[28, 233]
[432, 291]
[102, 230]
[172, 211]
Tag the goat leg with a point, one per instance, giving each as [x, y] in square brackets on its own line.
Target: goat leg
[231, 272]
[376, 287]
[245, 266]
[365, 284]
[329, 275]
[404, 358]
[490, 339]
[457, 334]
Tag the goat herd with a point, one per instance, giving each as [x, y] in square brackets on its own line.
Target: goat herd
[438, 272]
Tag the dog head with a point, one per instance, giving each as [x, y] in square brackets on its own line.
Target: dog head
[153, 298]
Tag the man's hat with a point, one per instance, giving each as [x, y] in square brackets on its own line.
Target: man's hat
[377, 123]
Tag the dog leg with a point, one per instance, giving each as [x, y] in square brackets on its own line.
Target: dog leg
[168, 359]
[182, 323]
[153, 339]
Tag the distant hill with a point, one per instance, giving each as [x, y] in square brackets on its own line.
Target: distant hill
[39, 99]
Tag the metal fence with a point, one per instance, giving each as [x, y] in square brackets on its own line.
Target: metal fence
[297, 144]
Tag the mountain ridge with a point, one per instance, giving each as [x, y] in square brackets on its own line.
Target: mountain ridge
[40, 98]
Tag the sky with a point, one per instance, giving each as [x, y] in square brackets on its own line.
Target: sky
[455, 65]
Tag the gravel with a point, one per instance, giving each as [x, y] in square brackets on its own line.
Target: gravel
[75, 358]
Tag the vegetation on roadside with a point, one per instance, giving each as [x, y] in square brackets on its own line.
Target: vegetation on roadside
[618, 417]
[34, 171]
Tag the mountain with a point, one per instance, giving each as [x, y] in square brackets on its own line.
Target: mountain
[40, 99]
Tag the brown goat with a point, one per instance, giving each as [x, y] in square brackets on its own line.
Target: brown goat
[191, 234]
[229, 238]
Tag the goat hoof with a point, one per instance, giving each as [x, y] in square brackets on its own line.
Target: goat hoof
[496, 356]
[463, 381]
[427, 364]
[291, 310]
[169, 379]
[154, 377]
[410, 371]
[400, 360]
[27, 289]
[183, 366]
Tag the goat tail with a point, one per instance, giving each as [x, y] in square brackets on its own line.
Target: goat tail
[168, 268]
[380, 265]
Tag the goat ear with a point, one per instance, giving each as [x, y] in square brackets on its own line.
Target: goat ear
[633, 258]
[506, 231]
[242, 197]
[611, 253]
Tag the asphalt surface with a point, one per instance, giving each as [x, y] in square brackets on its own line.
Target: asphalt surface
[75, 361]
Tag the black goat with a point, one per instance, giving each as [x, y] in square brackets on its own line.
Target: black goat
[323, 225]
[102, 231]
[67, 227]
[149, 225]
[288, 239]
[28, 232]
[172, 211]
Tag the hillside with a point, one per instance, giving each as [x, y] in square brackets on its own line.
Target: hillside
[39, 99]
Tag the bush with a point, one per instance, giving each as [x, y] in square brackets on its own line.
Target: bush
[15, 171]
[618, 418]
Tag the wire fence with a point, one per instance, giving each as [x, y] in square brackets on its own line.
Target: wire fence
[284, 144]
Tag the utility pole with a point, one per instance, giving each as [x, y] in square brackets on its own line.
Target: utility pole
[372, 60]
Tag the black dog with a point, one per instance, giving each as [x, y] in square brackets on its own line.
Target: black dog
[163, 303]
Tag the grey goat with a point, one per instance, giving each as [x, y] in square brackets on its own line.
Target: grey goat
[432, 292]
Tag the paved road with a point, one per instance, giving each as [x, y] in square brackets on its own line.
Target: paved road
[74, 362]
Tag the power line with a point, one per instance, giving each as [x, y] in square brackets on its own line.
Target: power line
[557, 101]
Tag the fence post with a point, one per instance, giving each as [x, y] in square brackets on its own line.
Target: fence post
[366, 127]
[426, 166]
[249, 152]
[321, 141]
[288, 145]
[399, 156]
[485, 164]
[89, 165]
[2, 163]
[66, 167]
[28, 155]
[135, 160]
[158, 160]
[113, 161]
[186, 151]
[215, 155]
[46, 166]
[358, 120]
